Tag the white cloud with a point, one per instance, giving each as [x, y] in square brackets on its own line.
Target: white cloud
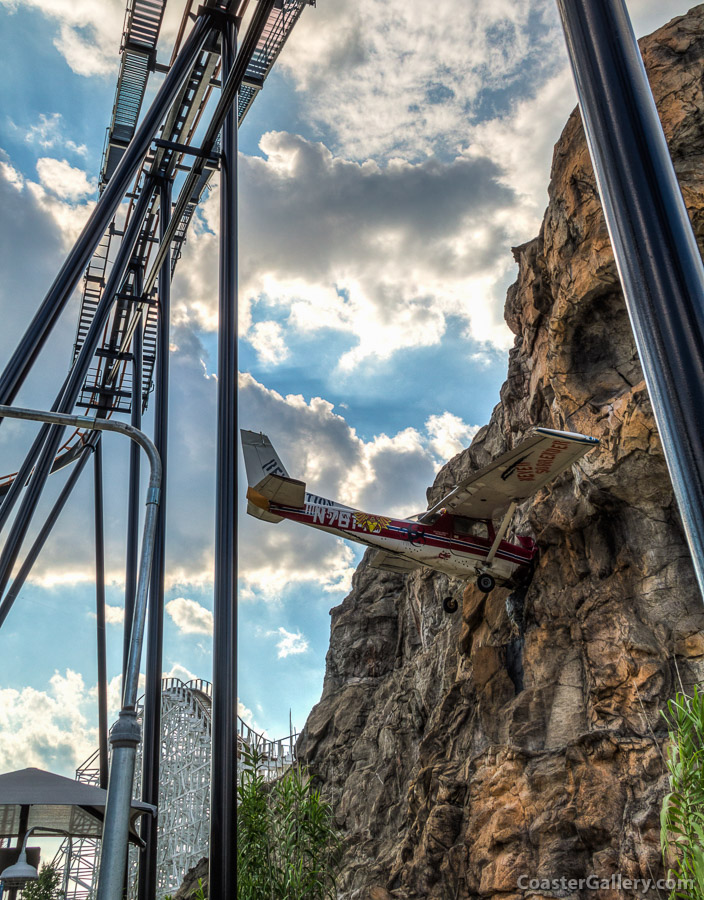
[64, 180]
[47, 729]
[267, 338]
[49, 132]
[189, 616]
[387, 255]
[404, 77]
[290, 643]
[449, 435]
[114, 615]
[88, 34]
[181, 672]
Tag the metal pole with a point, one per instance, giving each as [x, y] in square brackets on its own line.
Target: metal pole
[100, 613]
[223, 808]
[44, 320]
[133, 489]
[125, 734]
[40, 540]
[656, 253]
[155, 628]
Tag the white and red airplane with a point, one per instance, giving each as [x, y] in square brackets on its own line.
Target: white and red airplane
[456, 536]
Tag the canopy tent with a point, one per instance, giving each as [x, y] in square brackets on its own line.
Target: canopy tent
[57, 802]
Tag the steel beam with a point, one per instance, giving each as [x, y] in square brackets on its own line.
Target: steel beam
[223, 807]
[655, 249]
[40, 540]
[53, 304]
[133, 489]
[100, 613]
[155, 635]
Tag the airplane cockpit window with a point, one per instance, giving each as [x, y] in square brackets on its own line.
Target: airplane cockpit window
[474, 527]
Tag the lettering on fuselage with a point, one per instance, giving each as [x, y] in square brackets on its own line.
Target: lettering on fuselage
[319, 501]
[324, 512]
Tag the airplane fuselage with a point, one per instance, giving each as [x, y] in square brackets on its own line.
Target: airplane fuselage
[450, 544]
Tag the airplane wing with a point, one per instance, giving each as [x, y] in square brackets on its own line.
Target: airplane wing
[515, 475]
[393, 562]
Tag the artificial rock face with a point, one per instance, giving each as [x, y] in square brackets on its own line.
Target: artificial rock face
[463, 753]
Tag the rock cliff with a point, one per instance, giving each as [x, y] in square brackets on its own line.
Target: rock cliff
[464, 752]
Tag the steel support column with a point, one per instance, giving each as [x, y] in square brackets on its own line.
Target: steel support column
[656, 253]
[155, 633]
[223, 809]
[133, 490]
[100, 612]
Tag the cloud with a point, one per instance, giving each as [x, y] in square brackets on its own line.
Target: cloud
[181, 672]
[189, 616]
[48, 133]
[267, 338]
[47, 729]
[449, 435]
[385, 255]
[114, 615]
[64, 180]
[88, 34]
[290, 643]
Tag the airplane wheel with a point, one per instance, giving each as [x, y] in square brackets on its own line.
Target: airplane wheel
[485, 583]
[450, 604]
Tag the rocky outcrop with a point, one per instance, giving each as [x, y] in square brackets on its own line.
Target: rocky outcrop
[464, 752]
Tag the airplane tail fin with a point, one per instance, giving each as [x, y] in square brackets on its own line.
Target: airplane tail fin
[267, 478]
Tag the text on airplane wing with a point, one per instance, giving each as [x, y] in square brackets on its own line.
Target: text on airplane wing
[515, 475]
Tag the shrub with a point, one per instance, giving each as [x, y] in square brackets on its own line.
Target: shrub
[286, 843]
[682, 815]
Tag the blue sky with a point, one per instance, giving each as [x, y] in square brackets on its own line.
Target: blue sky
[396, 154]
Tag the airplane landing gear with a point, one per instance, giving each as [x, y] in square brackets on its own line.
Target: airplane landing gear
[485, 582]
[450, 604]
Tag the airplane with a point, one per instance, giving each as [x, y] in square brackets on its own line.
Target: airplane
[456, 536]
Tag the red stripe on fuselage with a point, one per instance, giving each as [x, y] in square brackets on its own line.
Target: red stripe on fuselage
[400, 530]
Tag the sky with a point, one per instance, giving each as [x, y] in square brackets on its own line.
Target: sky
[396, 154]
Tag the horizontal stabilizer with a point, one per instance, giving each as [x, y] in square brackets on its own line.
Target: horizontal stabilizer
[282, 491]
[393, 562]
[260, 513]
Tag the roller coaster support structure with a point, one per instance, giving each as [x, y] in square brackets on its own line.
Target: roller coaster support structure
[656, 252]
[125, 735]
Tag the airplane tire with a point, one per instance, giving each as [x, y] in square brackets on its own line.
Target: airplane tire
[450, 604]
[485, 583]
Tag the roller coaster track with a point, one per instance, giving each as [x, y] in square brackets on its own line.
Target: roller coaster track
[123, 262]
[184, 791]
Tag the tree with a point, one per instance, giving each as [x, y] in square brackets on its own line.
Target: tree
[46, 887]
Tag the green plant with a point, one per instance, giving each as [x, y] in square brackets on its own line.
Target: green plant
[46, 887]
[199, 893]
[287, 846]
[682, 815]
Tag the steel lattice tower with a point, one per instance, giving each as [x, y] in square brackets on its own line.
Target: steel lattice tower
[156, 166]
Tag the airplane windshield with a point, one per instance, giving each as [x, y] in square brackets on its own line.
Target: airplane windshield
[470, 526]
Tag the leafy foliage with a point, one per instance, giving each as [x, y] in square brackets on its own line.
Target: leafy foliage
[682, 815]
[287, 845]
[46, 887]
